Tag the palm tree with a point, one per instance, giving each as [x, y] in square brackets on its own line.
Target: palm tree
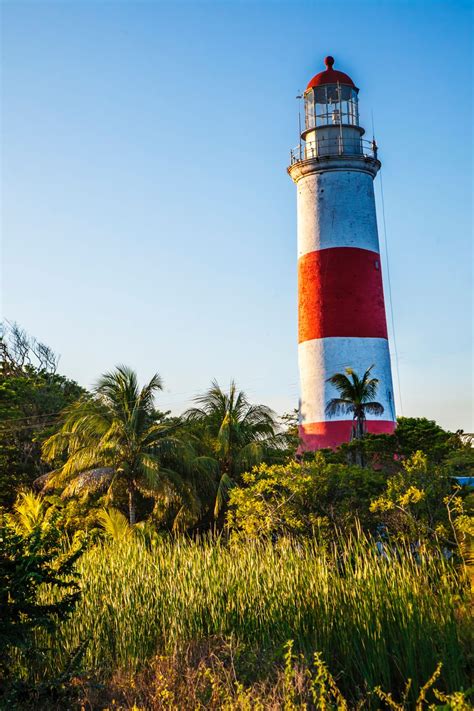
[29, 513]
[236, 434]
[356, 398]
[115, 437]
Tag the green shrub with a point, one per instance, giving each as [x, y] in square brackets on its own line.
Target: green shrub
[38, 590]
[302, 499]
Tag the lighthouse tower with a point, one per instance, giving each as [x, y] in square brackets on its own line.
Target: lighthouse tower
[341, 309]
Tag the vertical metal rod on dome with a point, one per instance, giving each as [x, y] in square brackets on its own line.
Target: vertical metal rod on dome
[341, 142]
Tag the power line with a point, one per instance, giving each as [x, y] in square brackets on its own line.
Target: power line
[45, 420]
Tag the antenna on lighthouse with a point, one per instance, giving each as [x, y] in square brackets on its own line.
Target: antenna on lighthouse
[299, 96]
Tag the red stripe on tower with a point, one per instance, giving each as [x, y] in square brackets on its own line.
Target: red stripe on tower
[340, 293]
[330, 434]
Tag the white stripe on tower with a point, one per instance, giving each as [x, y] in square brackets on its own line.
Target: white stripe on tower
[350, 195]
[322, 357]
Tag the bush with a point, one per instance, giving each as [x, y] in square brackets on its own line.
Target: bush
[302, 499]
[31, 564]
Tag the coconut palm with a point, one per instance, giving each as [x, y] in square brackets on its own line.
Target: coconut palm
[235, 432]
[356, 398]
[115, 437]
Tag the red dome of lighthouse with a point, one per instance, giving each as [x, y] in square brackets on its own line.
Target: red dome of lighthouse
[330, 76]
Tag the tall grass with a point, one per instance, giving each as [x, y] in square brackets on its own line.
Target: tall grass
[376, 622]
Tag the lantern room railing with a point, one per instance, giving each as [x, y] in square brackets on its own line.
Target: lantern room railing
[337, 146]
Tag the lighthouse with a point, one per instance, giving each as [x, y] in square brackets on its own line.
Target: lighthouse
[341, 310]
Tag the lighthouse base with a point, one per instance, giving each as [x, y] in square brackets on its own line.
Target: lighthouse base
[331, 434]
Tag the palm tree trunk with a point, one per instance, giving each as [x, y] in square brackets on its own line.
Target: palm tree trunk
[360, 427]
[360, 431]
[131, 505]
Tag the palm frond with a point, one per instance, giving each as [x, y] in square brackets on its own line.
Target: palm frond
[249, 456]
[222, 495]
[205, 476]
[90, 482]
[185, 518]
[114, 524]
[374, 408]
[206, 466]
[156, 432]
[118, 389]
[356, 394]
[342, 383]
[148, 391]
[29, 512]
[224, 433]
[339, 406]
[194, 414]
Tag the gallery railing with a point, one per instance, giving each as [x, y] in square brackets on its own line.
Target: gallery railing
[337, 146]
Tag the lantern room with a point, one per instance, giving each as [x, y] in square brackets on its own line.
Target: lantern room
[332, 128]
[331, 99]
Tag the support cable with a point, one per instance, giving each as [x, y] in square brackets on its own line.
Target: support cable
[387, 261]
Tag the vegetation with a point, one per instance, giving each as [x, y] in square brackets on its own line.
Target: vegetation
[236, 434]
[32, 397]
[375, 621]
[112, 438]
[315, 498]
[191, 562]
[356, 398]
[32, 560]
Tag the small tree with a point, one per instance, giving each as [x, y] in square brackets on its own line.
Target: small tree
[32, 394]
[356, 398]
[29, 563]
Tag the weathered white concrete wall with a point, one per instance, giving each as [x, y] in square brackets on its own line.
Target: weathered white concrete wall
[325, 140]
[336, 214]
[336, 209]
[320, 358]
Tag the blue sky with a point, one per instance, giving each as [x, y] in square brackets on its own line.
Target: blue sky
[147, 214]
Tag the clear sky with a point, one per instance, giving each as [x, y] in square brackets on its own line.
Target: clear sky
[147, 214]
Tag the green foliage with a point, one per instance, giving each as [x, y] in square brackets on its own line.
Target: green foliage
[460, 462]
[237, 431]
[414, 501]
[287, 440]
[411, 435]
[234, 435]
[379, 452]
[302, 499]
[114, 524]
[114, 438]
[33, 564]
[30, 403]
[420, 434]
[30, 512]
[374, 621]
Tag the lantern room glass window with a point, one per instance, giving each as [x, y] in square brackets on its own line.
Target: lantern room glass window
[331, 104]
